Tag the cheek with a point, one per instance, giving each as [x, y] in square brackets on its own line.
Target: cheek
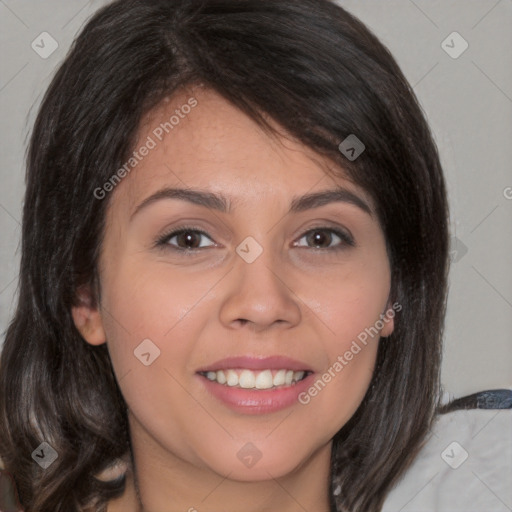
[351, 350]
[351, 300]
[145, 311]
[350, 306]
[143, 315]
[335, 395]
[168, 307]
[149, 300]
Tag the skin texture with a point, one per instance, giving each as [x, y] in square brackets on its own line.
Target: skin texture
[293, 300]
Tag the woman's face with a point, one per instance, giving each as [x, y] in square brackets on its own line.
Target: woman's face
[268, 283]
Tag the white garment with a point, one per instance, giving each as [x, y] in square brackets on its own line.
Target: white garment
[466, 466]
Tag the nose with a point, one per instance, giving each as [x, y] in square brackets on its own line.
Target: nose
[258, 295]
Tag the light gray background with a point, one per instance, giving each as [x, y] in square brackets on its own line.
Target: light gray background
[468, 102]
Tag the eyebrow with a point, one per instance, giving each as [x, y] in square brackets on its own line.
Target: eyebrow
[220, 203]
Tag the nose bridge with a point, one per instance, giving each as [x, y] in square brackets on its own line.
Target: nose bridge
[260, 266]
[259, 292]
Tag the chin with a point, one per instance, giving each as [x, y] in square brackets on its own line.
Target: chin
[252, 465]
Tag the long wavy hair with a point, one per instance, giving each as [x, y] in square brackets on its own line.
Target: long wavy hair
[319, 73]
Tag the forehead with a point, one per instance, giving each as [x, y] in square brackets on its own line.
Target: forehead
[198, 139]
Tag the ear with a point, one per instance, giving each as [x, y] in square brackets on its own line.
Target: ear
[388, 320]
[87, 317]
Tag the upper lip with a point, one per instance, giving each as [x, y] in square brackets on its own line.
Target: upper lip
[257, 363]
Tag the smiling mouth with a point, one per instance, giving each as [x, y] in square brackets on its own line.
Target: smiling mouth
[249, 379]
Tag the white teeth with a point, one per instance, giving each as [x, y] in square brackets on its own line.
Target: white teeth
[248, 379]
[298, 376]
[221, 377]
[232, 378]
[279, 378]
[264, 380]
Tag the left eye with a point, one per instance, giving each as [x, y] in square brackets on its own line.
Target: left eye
[323, 237]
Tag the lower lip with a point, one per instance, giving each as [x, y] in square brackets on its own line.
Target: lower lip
[249, 401]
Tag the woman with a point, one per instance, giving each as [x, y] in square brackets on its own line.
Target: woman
[234, 261]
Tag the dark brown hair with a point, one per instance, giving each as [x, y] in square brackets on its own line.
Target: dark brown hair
[321, 75]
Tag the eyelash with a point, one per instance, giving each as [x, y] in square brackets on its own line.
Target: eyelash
[163, 241]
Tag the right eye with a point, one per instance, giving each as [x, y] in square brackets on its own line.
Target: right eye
[186, 239]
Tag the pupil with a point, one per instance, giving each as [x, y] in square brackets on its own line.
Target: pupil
[188, 237]
[320, 237]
